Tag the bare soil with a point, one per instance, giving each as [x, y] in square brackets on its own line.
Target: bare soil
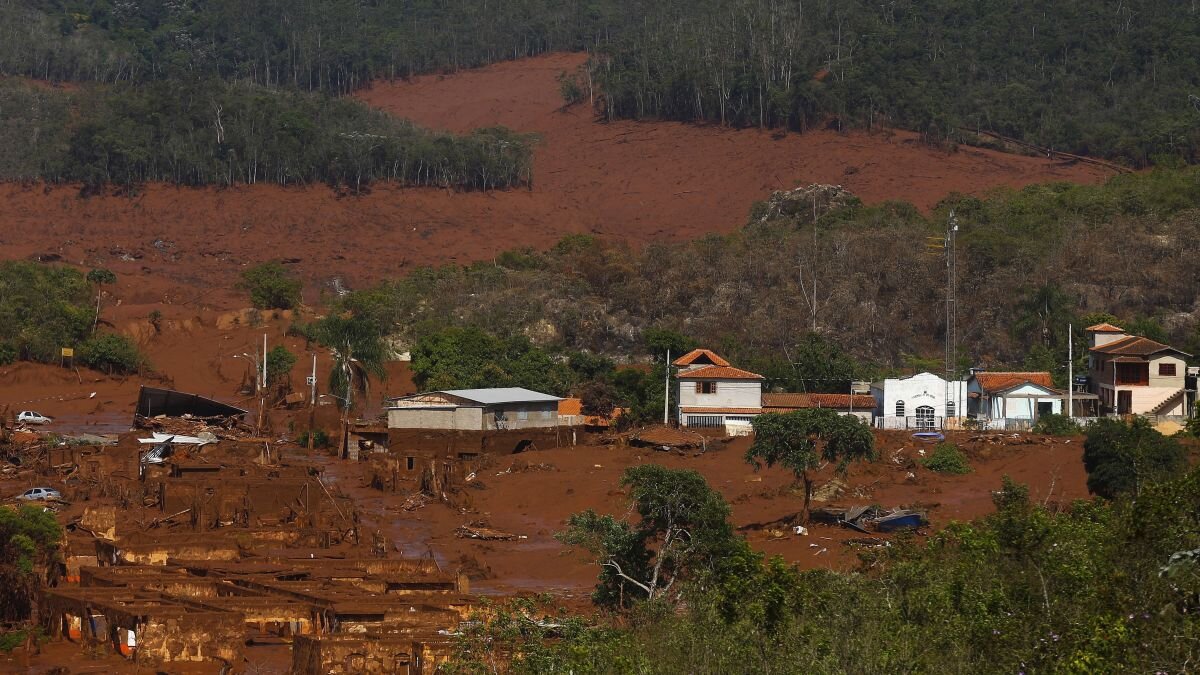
[637, 181]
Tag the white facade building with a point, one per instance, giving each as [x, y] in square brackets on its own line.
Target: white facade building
[1019, 397]
[711, 393]
[922, 401]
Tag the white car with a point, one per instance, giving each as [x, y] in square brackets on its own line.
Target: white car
[31, 417]
[39, 493]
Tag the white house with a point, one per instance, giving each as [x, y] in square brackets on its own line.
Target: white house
[712, 393]
[1136, 375]
[921, 401]
[1020, 396]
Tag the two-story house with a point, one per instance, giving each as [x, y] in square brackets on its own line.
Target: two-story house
[1136, 375]
[712, 392]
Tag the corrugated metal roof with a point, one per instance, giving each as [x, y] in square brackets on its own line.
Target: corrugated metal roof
[493, 396]
[501, 395]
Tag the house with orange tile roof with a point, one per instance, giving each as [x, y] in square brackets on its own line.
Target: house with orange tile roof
[713, 393]
[1012, 397]
[1134, 375]
[861, 406]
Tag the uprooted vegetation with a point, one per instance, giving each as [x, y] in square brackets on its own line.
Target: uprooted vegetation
[861, 278]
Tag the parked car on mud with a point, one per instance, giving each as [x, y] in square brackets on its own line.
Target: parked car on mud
[39, 494]
[31, 417]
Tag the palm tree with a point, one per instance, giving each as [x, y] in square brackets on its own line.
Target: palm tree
[358, 353]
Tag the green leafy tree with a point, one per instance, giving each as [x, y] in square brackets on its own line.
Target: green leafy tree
[1057, 425]
[658, 341]
[271, 286]
[1123, 458]
[279, 364]
[29, 540]
[801, 440]
[463, 358]
[598, 397]
[683, 531]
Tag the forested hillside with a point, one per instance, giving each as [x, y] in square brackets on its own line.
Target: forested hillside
[1106, 78]
[857, 292]
[219, 133]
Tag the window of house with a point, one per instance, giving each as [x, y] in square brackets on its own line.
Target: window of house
[1166, 370]
[950, 409]
[706, 387]
[522, 414]
[899, 408]
[412, 463]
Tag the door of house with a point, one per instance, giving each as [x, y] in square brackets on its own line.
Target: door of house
[925, 417]
[1124, 402]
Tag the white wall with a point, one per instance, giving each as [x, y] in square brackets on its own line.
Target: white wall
[730, 394]
[919, 390]
[1022, 408]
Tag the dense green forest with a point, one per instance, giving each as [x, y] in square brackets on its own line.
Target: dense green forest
[1107, 78]
[216, 132]
[856, 293]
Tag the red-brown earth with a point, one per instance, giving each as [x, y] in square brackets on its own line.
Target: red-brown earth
[637, 181]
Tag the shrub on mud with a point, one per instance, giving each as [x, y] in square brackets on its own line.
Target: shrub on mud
[111, 353]
[947, 458]
[271, 286]
[1057, 425]
[320, 439]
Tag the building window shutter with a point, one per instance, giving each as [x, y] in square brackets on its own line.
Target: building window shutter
[950, 411]
[699, 387]
[899, 408]
[1166, 369]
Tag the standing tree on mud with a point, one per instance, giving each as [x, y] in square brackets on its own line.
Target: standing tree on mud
[688, 520]
[803, 439]
[99, 277]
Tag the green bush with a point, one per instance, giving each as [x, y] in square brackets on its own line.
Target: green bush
[279, 363]
[271, 286]
[320, 439]
[110, 353]
[1057, 425]
[8, 353]
[1124, 458]
[947, 458]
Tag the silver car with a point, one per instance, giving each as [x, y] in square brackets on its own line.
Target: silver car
[31, 417]
[39, 494]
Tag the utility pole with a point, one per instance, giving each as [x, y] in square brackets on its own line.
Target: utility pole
[312, 402]
[667, 389]
[1070, 372]
[952, 385]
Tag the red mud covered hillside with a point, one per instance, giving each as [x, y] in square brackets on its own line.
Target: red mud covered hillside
[640, 181]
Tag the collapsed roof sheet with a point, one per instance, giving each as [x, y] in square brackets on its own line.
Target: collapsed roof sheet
[153, 401]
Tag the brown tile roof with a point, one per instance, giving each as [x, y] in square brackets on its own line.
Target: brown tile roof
[1104, 328]
[574, 407]
[719, 373]
[696, 354]
[838, 401]
[1002, 381]
[728, 411]
[1135, 345]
